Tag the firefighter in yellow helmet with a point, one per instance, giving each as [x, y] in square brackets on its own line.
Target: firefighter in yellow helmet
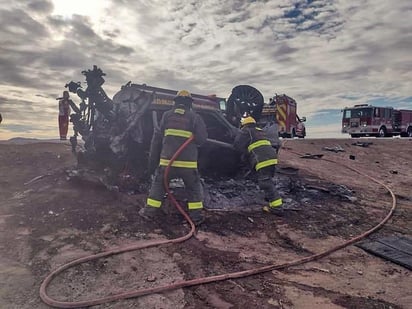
[252, 142]
[176, 126]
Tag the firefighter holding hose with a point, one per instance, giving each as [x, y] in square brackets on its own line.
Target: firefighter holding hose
[176, 126]
[253, 143]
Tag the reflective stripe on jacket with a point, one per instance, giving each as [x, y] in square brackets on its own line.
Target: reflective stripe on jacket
[176, 126]
[252, 141]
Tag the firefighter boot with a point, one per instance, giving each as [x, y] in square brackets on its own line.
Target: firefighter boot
[278, 211]
[274, 207]
[149, 213]
[197, 216]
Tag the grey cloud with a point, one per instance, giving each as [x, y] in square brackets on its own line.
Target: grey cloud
[42, 6]
[83, 48]
[112, 34]
[9, 73]
[284, 48]
[87, 41]
[122, 50]
[20, 128]
[82, 28]
[314, 51]
[17, 68]
[24, 111]
[82, 39]
[238, 17]
[17, 27]
[65, 56]
[20, 36]
[57, 21]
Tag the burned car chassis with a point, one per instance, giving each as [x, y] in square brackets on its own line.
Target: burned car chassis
[117, 132]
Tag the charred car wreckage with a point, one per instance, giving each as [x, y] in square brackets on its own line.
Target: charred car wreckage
[117, 132]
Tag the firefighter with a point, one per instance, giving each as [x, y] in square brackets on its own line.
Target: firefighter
[64, 111]
[176, 126]
[252, 142]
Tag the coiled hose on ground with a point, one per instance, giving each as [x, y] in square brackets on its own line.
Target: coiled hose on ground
[198, 281]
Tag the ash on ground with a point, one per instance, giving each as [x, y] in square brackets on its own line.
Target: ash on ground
[239, 194]
[244, 195]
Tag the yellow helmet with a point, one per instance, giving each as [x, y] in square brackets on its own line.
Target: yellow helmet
[183, 93]
[183, 97]
[247, 120]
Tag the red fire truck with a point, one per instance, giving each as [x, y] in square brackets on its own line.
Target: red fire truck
[282, 109]
[367, 120]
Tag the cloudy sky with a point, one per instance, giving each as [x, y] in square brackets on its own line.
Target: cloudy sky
[326, 54]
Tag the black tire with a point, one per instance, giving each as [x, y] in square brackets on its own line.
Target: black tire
[409, 132]
[244, 99]
[382, 132]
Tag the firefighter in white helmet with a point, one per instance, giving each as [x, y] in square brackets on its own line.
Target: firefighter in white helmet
[252, 142]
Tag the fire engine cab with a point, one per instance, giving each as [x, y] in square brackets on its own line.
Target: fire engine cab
[367, 120]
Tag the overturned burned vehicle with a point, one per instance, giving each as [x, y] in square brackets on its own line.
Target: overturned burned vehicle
[117, 132]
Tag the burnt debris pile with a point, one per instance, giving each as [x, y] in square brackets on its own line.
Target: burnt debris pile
[112, 130]
[243, 195]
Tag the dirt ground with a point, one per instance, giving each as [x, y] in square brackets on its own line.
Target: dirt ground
[48, 221]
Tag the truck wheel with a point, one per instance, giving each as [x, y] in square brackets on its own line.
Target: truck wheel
[382, 132]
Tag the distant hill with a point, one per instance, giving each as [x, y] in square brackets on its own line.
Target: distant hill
[23, 141]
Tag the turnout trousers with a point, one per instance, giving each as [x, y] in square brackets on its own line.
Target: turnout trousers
[191, 179]
[265, 182]
[63, 126]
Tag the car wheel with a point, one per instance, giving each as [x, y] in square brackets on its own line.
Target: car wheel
[245, 99]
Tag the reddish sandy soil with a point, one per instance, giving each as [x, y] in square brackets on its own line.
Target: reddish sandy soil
[53, 220]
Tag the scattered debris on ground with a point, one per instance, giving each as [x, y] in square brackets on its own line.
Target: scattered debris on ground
[362, 144]
[334, 149]
[311, 156]
[397, 249]
[48, 221]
